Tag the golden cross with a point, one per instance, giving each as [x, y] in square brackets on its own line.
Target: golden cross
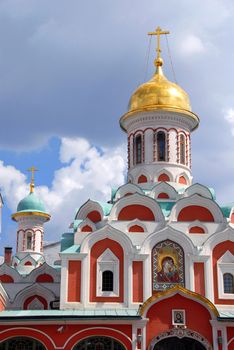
[32, 170]
[158, 32]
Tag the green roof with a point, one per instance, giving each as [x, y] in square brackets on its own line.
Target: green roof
[31, 203]
[87, 313]
[166, 207]
[226, 209]
[72, 250]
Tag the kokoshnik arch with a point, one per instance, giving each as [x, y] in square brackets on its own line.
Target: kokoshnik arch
[152, 268]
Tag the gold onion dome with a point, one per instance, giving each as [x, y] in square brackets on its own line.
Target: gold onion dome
[160, 94]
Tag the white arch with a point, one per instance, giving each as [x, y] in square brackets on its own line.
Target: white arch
[164, 187]
[218, 237]
[127, 188]
[107, 232]
[198, 189]
[164, 171]
[199, 201]
[34, 289]
[6, 269]
[44, 268]
[181, 333]
[173, 235]
[87, 207]
[84, 223]
[137, 199]
[185, 175]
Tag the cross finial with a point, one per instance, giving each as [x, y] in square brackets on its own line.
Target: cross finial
[158, 32]
[32, 185]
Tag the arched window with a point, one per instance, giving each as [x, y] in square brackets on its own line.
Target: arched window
[107, 281]
[21, 343]
[99, 343]
[161, 146]
[182, 148]
[138, 149]
[29, 241]
[228, 283]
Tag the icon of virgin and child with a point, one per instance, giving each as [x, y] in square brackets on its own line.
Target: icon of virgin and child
[169, 272]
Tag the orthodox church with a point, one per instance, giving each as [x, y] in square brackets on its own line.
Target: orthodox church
[151, 269]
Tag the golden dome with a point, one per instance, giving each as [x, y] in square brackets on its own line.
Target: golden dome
[160, 94]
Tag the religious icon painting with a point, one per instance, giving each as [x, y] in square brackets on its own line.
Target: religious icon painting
[178, 317]
[168, 265]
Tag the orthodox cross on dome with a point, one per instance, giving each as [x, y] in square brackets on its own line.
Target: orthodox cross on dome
[158, 32]
[32, 183]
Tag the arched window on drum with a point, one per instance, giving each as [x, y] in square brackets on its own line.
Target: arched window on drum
[138, 149]
[182, 149]
[161, 146]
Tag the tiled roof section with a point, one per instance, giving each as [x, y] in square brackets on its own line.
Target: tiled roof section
[107, 313]
[72, 250]
[226, 209]
[226, 314]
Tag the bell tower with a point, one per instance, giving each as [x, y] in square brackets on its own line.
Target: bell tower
[30, 216]
[158, 123]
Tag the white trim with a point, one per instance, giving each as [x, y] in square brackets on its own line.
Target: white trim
[107, 262]
[225, 265]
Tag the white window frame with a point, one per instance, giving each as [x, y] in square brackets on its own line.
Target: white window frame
[107, 262]
[225, 265]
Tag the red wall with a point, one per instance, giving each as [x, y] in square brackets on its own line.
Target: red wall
[96, 251]
[136, 211]
[48, 334]
[219, 251]
[199, 278]
[160, 317]
[137, 281]
[195, 212]
[74, 278]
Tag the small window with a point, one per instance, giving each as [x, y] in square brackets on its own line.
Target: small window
[107, 281]
[161, 146]
[228, 283]
[182, 148]
[29, 241]
[138, 149]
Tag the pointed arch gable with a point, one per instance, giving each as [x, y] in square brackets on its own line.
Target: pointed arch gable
[112, 250]
[152, 208]
[6, 269]
[106, 232]
[136, 225]
[30, 291]
[127, 189]
[183, 292]
[43, 269]
[164, 175]
[92, 210]
[163, 187]
[199, 190]
[210, 209]
[169, 233]
[86, 222]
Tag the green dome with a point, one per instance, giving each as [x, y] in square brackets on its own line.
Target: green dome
[31, 203]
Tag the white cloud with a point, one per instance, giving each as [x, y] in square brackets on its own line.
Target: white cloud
[88, 173]
[229, 117]
[192, 44]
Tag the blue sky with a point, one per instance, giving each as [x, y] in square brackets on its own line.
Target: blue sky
[67, 70]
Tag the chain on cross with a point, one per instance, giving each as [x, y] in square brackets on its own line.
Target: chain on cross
[158, 32]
